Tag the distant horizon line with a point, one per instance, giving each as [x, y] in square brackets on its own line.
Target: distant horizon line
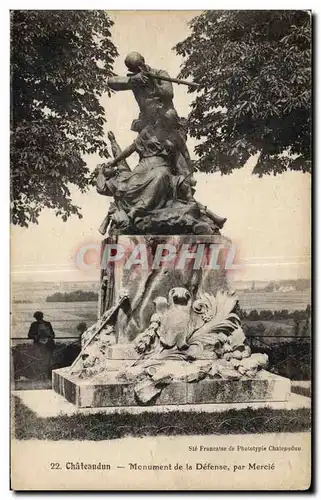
[97, 281]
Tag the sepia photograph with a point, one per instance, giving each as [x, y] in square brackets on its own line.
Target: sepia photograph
[160, 188]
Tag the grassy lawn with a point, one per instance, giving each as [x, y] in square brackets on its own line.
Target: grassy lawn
[101, 426]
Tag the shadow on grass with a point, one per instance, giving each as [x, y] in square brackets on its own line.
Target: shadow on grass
[101, 426]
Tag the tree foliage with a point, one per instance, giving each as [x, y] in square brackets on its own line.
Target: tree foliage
[254, 75]
[60, 61]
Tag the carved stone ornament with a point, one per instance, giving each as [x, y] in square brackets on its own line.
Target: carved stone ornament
[186, 340]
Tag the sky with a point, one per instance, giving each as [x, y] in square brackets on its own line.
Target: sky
[268, 218]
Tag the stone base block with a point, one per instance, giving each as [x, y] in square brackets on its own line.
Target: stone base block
[87, 394]
[48, 404]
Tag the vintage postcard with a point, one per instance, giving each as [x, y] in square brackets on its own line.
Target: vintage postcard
[160, 250]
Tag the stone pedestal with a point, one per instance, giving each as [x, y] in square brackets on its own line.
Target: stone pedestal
[169, 333]
[145, 280]
[92, 394]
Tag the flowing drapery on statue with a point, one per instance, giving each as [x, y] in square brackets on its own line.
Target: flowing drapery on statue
[157, 196]
[149, 185]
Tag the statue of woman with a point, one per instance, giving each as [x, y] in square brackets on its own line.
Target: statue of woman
[153, 181]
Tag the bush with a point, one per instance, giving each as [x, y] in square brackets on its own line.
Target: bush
[81, 327]
[76, 296]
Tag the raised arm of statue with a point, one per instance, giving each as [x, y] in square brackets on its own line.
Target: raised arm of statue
[119, 83]
[128, 82]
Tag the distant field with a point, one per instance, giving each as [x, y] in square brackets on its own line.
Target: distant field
[274, 300]
[64, 316]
